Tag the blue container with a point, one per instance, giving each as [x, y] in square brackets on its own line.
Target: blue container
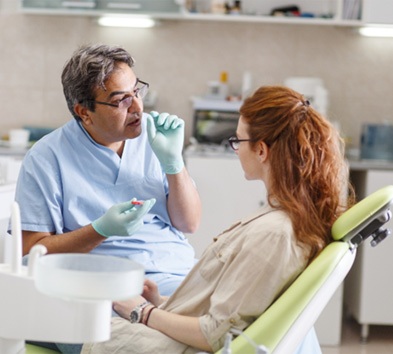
[377, 142]
[36, 133]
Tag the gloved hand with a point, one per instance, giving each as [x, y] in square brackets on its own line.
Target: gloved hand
[166, 138]
[122, 219]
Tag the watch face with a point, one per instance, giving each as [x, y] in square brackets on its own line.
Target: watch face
[134, 316]
[136, 313]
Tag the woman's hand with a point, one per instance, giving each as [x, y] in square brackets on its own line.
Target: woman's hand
[151, 294]
[124, 308]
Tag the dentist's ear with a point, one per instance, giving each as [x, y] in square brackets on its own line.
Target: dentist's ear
[83, 113]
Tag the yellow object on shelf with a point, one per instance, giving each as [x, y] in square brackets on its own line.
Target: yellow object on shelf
[224, 77]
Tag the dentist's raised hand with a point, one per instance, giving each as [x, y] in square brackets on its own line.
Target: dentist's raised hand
[166, 137]
[123, 219]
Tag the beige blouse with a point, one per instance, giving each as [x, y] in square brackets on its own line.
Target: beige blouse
[237, 278]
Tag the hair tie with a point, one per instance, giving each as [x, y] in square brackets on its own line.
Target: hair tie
[305, 103]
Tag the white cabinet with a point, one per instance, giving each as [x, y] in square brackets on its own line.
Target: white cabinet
[9, 168]
[377, 11]
[368, 286]
[9, 171]
[7, 195]
[226, 195]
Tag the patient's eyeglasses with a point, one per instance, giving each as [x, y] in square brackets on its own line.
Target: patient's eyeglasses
[140, 90]
[234, 142]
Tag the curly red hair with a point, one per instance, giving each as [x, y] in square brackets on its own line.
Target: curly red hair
[309, 175]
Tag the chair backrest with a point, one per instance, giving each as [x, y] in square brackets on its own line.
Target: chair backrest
[285, 323]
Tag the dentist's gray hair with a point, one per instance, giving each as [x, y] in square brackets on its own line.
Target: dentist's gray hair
[88, 69]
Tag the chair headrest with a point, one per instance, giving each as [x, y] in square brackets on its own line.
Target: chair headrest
[376, 206]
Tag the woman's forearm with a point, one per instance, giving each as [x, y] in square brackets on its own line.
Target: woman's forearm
[184, 329]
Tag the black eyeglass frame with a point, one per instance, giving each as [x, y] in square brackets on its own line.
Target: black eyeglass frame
[136, 91]
[234, 140]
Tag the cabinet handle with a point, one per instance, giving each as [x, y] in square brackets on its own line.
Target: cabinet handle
[122, 5]
[78, 4]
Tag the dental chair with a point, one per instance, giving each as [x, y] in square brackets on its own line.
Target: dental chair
[281, 328]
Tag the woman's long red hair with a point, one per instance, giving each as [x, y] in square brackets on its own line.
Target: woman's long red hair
[309, 176]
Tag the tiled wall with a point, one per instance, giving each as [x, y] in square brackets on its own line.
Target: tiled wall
[178, 58]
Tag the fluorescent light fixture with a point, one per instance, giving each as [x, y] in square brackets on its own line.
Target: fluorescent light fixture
[117, 21]
[376, 31]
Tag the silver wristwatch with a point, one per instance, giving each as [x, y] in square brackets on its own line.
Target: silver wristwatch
[136, 313]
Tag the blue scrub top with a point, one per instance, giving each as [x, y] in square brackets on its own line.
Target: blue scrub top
[67, 181]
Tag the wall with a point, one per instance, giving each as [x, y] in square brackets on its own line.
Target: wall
[178, 58]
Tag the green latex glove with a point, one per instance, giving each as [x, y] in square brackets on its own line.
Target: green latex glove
[166, 138]
[122, 219]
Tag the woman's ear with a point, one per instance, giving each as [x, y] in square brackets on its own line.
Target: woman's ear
[83, 113]
[263, 151]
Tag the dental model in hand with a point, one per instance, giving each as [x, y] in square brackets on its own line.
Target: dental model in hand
[136, 202]
[123, 219]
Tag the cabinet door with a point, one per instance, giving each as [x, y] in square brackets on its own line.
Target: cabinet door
[7, 195]
[59, 4]
[226, 196]
[377, 11]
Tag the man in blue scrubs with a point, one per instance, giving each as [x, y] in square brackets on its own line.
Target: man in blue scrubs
[76, 183]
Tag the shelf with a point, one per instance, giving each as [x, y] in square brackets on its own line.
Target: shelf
[270, 19]
[186, 16]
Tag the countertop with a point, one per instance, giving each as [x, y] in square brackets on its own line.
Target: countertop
[220, 151]
[368, 164]
[217, 151]
[13, 151]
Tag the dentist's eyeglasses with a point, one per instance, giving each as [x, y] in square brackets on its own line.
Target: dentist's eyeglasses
[140, 91]
[234, 142]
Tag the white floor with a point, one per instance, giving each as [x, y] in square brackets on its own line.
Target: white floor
[380, 340]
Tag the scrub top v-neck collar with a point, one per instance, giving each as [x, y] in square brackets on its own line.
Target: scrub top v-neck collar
[119, 161]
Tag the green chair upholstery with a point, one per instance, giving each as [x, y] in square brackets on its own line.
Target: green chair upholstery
[285, 323]
[34, 349]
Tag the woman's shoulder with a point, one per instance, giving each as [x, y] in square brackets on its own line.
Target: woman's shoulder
[269, 218]
[271, 228]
